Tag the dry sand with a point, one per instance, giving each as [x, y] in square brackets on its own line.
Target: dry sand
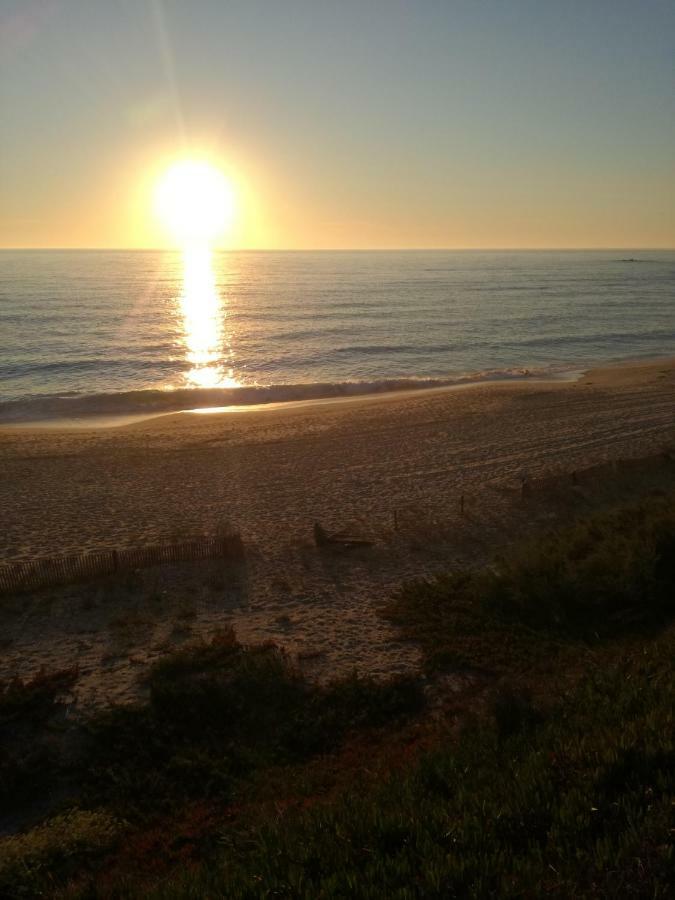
[274, 472]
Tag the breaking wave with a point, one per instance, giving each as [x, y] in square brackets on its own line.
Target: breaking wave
[153, 402]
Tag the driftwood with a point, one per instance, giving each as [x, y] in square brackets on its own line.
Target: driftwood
[338, 539]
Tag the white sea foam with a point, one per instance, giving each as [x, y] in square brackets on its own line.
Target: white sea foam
[151, 402]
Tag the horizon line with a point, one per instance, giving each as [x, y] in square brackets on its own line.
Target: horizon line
[499, 249]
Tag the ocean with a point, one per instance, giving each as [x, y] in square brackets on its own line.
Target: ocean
[124, 333]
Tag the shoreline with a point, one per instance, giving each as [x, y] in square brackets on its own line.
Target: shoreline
[122, 420]
[96, 421]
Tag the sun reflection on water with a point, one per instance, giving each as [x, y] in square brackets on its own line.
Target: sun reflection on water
[203, 313]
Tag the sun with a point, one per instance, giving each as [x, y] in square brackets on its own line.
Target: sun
[195, 202]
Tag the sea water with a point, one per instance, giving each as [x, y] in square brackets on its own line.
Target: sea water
[87, 333]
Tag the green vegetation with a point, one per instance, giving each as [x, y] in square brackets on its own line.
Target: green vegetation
[610, 575]
[218, 713]
[218, 718]
[30, 729]
[33, 864]
[580, 804]
[239, 779]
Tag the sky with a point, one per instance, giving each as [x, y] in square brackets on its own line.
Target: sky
[369, 124]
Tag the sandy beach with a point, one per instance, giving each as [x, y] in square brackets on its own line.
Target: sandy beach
[389, 467]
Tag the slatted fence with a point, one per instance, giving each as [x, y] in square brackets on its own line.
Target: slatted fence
[50, 571]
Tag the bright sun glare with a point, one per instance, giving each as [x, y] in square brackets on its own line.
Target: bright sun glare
[195, 202]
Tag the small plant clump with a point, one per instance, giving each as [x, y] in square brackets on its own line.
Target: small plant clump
[63, 846]
[30, 713]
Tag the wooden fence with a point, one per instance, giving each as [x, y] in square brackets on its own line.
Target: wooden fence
[51, 571]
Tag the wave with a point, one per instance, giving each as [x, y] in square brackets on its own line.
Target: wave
[151, 402]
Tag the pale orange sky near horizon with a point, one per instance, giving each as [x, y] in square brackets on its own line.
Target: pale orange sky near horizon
[379, 126]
